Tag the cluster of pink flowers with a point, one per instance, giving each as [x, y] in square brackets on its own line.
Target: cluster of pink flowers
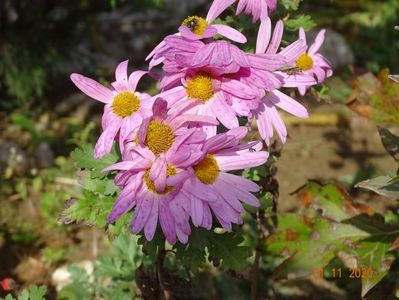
[175, 165]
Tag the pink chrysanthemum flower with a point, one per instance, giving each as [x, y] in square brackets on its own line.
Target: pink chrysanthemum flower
[153, 170]
[193, 28]
[164, 134]
[151, 205]
[124, 110]
[313, 63]
[196, 28]
[266, 114]
[172, 46]
[213, 95]
[212, 189]
[259, 9]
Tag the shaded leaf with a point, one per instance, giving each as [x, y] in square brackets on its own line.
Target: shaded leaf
[84, 159]
[382, 185]
[333, 225]
[331, 200]
[224, 247]
[390, 142]
[304, 21]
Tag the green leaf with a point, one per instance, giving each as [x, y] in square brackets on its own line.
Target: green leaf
[93, 208]
[309, 243]
[382, 185]
[25, 123]
[33, 293]
[373, 255]
[304, 21]
[390, 142]
[332, 201]
[291, 4]
[225, 247]
[254, 174]
[84, 159]
[333, 226]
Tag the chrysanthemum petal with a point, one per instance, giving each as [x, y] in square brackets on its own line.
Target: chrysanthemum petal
[217, 7]
[137, 164]
[134, 78]
[276, 39]
[207, 218]
[143, 210]
[264, 35]
[125, 201]
[188, 34]
[167, 222]
[287, 103]
[197, 211]
[228, 194]
[239, 182]
[92, 88]
[230, 33]
[104, 143]
[238, 89]
[248, 160]
[318, 42]
[224, 112]
[152, 221]
[277, 122]
[158, 174]
[128, 127]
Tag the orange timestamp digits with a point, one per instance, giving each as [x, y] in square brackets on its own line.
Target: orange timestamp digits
[338, 273]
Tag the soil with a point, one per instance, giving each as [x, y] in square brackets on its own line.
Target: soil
[347, 153]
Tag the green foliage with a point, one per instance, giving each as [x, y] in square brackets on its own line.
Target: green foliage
[99, 191]
[338, 228]
[373, 14]
[22, 76]
[375, 97]
[387, 186]
[33, 293]
[113, 276]
[224, 248]
[291, 4]
[304, 21]
[390, 142]
[84, 159]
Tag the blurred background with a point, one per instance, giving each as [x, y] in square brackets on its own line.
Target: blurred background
[44, 117]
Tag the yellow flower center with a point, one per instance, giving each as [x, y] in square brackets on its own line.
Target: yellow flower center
[151, 186]
[125, 104]
[200, 87]
[196, 24]
[304, 62]
[160, 137]
[207, 170]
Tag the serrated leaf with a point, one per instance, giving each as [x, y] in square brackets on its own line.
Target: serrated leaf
[304, 21]
[382, 185]
[92, 208]
[33, 293]
[227, 247]
[84, 159]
